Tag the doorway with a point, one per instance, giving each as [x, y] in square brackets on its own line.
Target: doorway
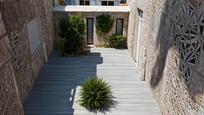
[137, 48]
[90, 30]
[119, 26]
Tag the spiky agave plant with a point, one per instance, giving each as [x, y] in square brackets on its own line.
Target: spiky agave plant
[96, 95]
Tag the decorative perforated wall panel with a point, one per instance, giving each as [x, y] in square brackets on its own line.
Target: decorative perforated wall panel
[17, 51]
[187, 18]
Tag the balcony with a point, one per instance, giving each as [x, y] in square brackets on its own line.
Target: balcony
[70, 8]
[91, 2]
[56, 91]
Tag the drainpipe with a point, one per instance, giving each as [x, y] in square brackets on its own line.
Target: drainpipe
[144, 75]
[45, 52]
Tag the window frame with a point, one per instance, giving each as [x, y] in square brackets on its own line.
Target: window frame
[116, 30]
[84, 2]
[34, 49]
[123, 1]
[111, 4]
[107, 3]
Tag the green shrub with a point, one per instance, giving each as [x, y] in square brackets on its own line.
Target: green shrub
[104, 24]
[72, 31]
[118, 41]
[96, 95]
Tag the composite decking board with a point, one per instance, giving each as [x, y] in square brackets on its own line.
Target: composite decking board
[52, 89]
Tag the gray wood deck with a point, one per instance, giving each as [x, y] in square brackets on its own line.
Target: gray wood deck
[56, 89]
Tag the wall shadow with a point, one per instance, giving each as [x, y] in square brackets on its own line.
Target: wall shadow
[162, 45]
[53, 91]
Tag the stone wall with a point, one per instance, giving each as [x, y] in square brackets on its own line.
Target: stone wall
[136, 5]
[98, 41]
[18, 67]
[171, 52]
[10, 100]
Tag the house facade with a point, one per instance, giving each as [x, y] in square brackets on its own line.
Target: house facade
[119, 14]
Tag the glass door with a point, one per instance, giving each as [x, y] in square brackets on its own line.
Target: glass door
[90, 30]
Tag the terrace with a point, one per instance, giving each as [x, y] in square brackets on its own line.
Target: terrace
[49, 48]
[56, 90]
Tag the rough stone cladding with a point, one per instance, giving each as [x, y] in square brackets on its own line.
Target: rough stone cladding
[18, 67]
[171, 54]
[9, 97]
[98, 41]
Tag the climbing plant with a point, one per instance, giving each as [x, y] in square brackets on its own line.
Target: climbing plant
[104, 24]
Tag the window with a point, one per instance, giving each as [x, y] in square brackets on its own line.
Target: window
[110, 3]
[140, 13]
[119, 26]
[123, 1]
[138, 37]
[34, 35]
[81, 2]
[104, 3]
[107, 3]
[84, 2]
[87, 2]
